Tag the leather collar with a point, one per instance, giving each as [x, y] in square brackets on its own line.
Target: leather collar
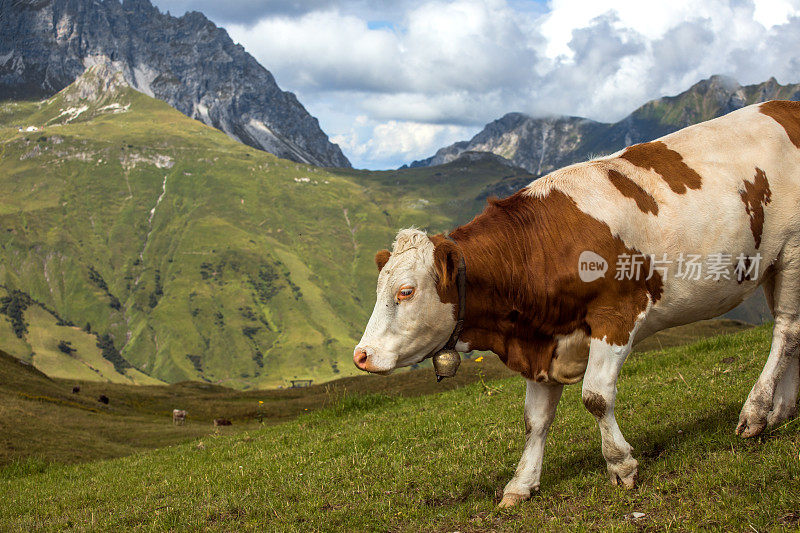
[461, 281]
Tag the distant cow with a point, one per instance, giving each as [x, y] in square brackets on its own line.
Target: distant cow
[103, 399]
[76, 389]
[178, 416]
[693, 223]
[222, 422]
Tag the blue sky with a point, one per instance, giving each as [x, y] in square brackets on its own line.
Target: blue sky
[393, 80]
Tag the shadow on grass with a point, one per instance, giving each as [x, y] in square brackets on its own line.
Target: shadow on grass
[657, 444]
[662, 439]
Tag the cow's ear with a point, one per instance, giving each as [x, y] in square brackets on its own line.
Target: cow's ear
[381, 258]
[446, 258]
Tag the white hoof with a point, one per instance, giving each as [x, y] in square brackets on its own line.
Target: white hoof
[624, 473]
[753, 418]
[510, 500]
[752, 422]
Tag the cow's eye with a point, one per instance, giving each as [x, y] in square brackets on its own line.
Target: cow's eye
[405, 293]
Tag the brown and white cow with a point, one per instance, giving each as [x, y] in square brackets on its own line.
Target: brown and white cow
[724, 192]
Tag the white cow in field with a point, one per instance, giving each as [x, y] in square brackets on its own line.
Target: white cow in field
[563, 277]
[178, 417]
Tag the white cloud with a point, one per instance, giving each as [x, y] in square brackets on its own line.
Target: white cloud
[410, 138]
[652, 20]
[323, 50]
[384, 142]
[611, 57]
[252, 11]
[771, 13]
[441, 46]
[441, 68]
[466, 45]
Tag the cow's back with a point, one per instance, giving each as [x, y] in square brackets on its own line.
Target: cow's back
[727, 186]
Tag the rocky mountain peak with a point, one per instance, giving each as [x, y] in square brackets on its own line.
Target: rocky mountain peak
[100, 81]
[186, 61]
[716, 83]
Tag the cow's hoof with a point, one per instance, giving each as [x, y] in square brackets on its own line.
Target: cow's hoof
[511, 499]
[750, 424]
[624, 473]
[753, 418]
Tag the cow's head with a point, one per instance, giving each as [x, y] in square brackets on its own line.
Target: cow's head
[410, 319]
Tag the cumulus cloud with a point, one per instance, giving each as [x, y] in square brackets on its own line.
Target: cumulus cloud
[410, 139]
[419, 73]
[252, 11]
[441, 46]
[384, 142]
[323, 51]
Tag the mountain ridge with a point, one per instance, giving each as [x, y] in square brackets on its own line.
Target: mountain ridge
[541, 145]
[186, 61]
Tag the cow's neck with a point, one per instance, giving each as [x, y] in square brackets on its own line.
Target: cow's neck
[514, 307]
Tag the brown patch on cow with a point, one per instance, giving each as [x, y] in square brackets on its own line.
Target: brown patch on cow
[755, 196]
[594, 403]
[522, 255]
[528, 427]
[381, 258]
[630, 189]
[787, 114]
[666, 163]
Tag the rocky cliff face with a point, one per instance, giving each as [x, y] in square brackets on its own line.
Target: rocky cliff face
[187, 62]
[541, 145]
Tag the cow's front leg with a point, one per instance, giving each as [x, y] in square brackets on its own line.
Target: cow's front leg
[599, 395]
[541, 400]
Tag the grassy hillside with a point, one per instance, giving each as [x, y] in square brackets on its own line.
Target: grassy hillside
[139, 417]
[198, 257]
[42, 421]
[57, 348]
[376, 462]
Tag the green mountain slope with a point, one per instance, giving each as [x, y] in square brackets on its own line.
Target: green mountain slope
[198, 257]
[59, 349]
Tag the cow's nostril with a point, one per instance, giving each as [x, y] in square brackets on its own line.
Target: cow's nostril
[360, 358]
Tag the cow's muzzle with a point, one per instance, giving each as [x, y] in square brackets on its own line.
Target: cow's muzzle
[363, 357]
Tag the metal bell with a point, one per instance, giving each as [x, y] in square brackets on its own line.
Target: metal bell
[445, 363]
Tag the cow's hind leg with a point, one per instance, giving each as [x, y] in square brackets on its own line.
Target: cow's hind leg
[599, 396]
[784, 404]
[773, 398]
[541, 400]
